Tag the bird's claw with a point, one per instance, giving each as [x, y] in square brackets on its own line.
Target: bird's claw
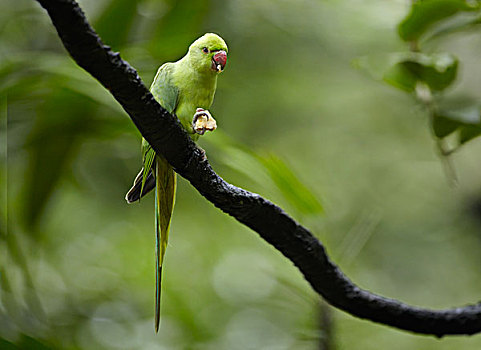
[203, 121]
[202, 153]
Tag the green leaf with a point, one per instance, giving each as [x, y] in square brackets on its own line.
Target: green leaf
[436, 71]
[461, 22]
[115, 22]
[27, 342]
[400, 77]
[293, 190]
[236, 156]
[425, 14]
[51, 146]
[26, 74]
[443, 126]
[467, 120]
[266, 169]
[24, 342]
[177, 27]
[6, 345]
[469, 132]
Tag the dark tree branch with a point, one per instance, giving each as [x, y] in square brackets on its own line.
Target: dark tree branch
[165, 134]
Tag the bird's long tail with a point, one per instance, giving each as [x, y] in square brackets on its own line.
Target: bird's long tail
[166, 183]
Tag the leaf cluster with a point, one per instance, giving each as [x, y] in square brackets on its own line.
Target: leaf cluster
[430, 75]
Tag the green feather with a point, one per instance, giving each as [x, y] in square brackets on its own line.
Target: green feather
[163, 88]
[148, 155]
[166, 183]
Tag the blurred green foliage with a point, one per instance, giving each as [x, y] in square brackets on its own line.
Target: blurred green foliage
[436, 71]
[427, 13]
[347, 156]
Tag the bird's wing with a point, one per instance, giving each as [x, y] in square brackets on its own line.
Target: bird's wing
[163, 87]
[167, 94]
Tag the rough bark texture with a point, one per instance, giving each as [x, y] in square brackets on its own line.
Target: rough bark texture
[165, 134]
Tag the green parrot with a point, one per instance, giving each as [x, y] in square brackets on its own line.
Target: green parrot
[185, 88]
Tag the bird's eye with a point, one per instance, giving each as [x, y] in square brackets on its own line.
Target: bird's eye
[205, 50]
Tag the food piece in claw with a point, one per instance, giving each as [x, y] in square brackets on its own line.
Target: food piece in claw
[203, 122]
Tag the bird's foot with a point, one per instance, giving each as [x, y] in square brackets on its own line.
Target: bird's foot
[202, 153]
[203, 121]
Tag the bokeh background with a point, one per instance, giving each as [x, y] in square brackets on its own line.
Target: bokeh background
[300, 122]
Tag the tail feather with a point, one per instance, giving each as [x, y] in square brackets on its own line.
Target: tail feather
[133, 194]
[158, 285]
[166, 184]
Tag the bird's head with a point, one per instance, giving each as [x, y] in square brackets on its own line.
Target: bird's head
[209, 53]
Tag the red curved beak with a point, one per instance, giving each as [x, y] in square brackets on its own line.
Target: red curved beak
[219, 60]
